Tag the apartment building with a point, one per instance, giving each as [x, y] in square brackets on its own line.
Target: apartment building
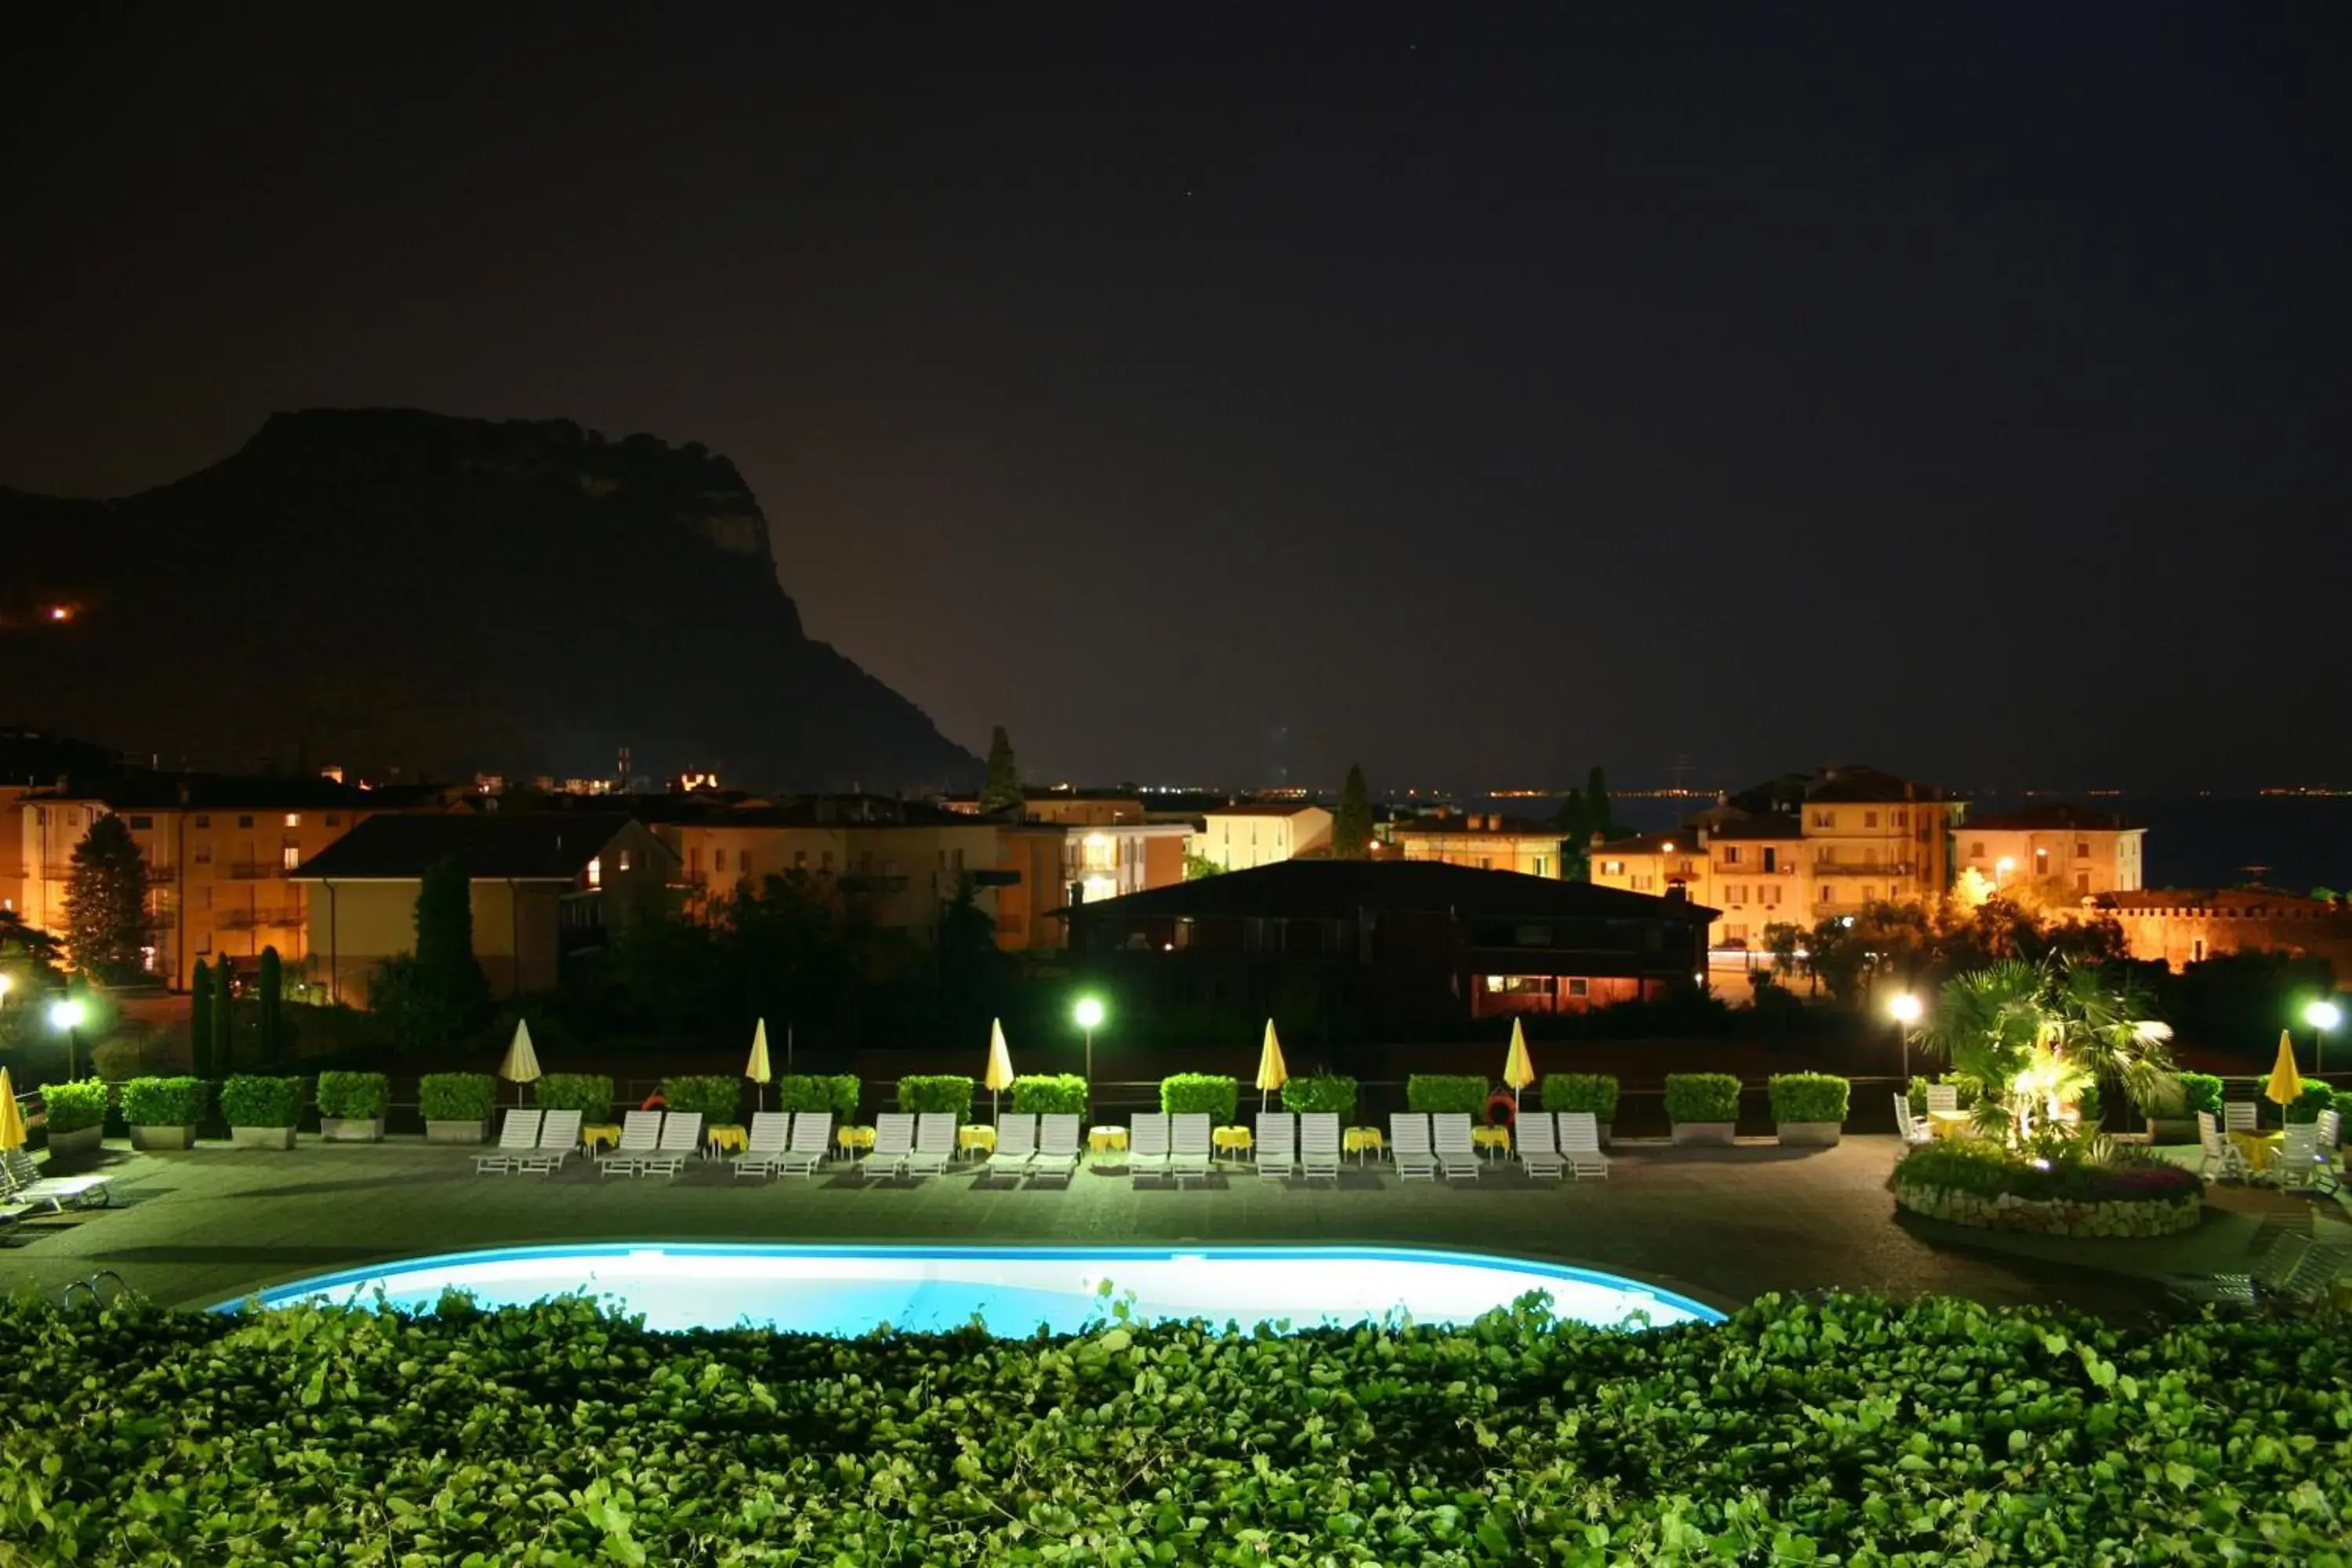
[1244, 838]
[1482, 841]
[2063, 851]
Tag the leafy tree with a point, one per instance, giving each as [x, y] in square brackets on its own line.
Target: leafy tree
[436, 994]
[1351, 824]
[106, 903]
[1199, 866]
[1001, 789]
[224, 1017]
[1598, 818]
[1784, 942]
[2042, 1035]
[273, 1022]
[1584, 813]
[200, 1020]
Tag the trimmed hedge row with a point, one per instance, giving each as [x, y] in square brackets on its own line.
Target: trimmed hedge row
[166, 1101]
[1192, 1093]
[1977, 1166]
[353, 1096]
[1808, 1096]
[589, 1093]
[1333, 1093]
[456, 1095]
[1462, 1094]
[251, 1100]
[1701, 1097]
[837, 1093]
[935, 1093]
[1049, 1094]
[71, 1106]
[1592, 1091]
[1842, 1428]
[718, 1096]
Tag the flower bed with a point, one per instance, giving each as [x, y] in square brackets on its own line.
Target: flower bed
[1842, 1429]
[1991, 1190]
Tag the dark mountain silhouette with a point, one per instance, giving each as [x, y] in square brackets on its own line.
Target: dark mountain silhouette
[390, 588]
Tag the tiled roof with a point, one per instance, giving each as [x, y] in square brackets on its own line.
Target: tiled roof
[527, 846]
[1458, 827]
[1310, 888]
[1264, 808]
[2220, 900]
[1766, 825]
[2053, 816]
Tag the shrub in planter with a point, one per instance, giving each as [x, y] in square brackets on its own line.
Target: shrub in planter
[1809, 1108]
[718, 1096]
[164, 1112]
[1462, 1094]
[1192, 1093]
[1050, 1094]
[1972, 1183]
[75, 1116]
[351, 1106]
[1332, 1092]
[2200, 1091]
[1704, 1107]
[260, 1110]
[2315, 1098]
[935, 1093]
[589, 1093]
[1592, 1092]
[836, 1092]
[457, 1105]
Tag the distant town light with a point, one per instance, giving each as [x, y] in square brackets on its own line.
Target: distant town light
[61, 612]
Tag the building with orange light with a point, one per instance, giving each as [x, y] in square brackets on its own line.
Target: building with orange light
[2064, 852]
[1482, 841]
[2182, 926]
[1243, 838]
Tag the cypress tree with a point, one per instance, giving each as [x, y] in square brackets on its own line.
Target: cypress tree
[223, 1017]
[273, 981]
[1003, 787]
[200, 1020]
[1351, 824]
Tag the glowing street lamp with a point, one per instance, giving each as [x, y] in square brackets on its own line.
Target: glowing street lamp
[64, 1016]
[1088, 1014]
[5, 983]
[1905, 1008]
[2322, 1016]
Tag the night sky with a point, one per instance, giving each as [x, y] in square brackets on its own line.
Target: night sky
[1203, 393]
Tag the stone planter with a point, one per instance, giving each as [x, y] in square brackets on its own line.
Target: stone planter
[262, 1137]
[163, 1137]
[1704, 1131]
[1810, 1135]
[2035, 1216]
[80, 1143]
[456, 1131]
[351, 1129]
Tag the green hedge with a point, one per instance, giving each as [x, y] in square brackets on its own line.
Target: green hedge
[71, 1106]
[2200, 1092]
[1985, 1169]
[1592, 1091]
[1701, 1097]
[1191, 1093]
[456, 1095]
[251, 1100]
[1049, 1094]
[836, 1092]
[1803, 1430]
[935, 1093]
[718, 1096]
[1808, 1096]
[1447, 1093]
[166, 1101]
[1331, 1091]
[589, 1093]
[353, 1096]
[1917, 1091]
[2315, 1098]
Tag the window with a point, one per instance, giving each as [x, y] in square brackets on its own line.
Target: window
[825, 862]
[1771, 859]
[1768, 895]
[139, 824]
[293, 819]
[1612, 867]
[244, 822]
[1828, 894]
[204, 854]
[289, 856]
[2082, 881]
[1734, 934]
[743, 862]
[1902, 819]
[1578, 985]
[2041, 862]
[204, 821]
[1642, 884]
[1731, 854]
[1870, 820]
[1869, 893]
[2197, 950]
[1825, 819]
[334, 819]
[204, 898]
[2082, 850]
[625, 859]
[1976, 850]
[1540, 869]
[1485, 863]
[800, 860]
[595, 871]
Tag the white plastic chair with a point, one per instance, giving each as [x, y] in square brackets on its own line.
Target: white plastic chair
[1147, 1145]
[1057, 1146]
[1580, 1144]
[1914, 1131]
[894, 1142]
[1016, 1146]
[1539, 1155]
[1275, 1144]
[769, 1135]
[2217, 1156]
[640, 1136]
[681, 1139]
[1318, 1144]
[812, 1137]
[1409, 1146]
[1190, 1146]
[1449, 1140]
[559, 1135]
[518, 1135]
[935, 1135]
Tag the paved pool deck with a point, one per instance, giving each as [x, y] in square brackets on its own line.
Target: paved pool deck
[1722, 1225]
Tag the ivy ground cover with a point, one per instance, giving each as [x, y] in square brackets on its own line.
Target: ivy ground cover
[1840, 1430]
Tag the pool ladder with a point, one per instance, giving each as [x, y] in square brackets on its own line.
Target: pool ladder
[97, 1298]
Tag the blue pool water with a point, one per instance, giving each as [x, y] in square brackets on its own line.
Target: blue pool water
[1012, 1290]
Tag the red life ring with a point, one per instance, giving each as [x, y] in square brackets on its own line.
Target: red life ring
[1502, 1109]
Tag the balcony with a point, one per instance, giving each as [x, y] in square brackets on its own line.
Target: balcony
[1896, 868]
[256, 920]
[249, 870]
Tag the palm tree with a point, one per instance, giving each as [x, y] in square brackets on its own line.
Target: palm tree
[2037, 1035]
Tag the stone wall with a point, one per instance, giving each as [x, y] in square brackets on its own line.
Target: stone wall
[2114, 1216]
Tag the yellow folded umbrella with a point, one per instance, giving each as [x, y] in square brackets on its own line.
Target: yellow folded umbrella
[2286, 1084]
[1000, 1064]
[12, 1120]
[1272, 1074]
[756, 1068]
[1518, 1071]
[522, 1065]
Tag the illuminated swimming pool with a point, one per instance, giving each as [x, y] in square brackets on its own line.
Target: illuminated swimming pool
[1012, 1291]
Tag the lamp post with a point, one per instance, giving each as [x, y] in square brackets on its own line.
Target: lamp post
[65, 1017]
[1905, 1009]
[1088, 1013]
[2322, 1016]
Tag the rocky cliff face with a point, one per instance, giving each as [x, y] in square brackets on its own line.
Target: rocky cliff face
[392, 588]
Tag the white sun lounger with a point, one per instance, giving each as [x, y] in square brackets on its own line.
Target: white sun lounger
[1016, 1146]
[1057, 1147]
[681, 1139]
[893, 1141]
[640, 1136]
[1189, 1146]
[769, 1135]
[812, 1136]
[1457, 1156]
[1318, 1144]
[1914, 1131]
[1538, 1153]
[1580, 1144]
[1409, 1146]
[559, 1135]
[1147, 1145]
[21, 1181]
[518, 1136]
[935, 1139]
[1276, 1143]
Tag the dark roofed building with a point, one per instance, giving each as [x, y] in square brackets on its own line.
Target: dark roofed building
[546, 887]
[1389, 944]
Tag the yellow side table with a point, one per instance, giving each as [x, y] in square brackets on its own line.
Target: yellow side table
[1362, 1142]
[1493, 1142]
[2259, 1148]
[1950, 1123]
[850, 1140]
[1234, 1140]
[1107, 1139]
[724, 1139]
[599, 1137]
[971, 1137]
